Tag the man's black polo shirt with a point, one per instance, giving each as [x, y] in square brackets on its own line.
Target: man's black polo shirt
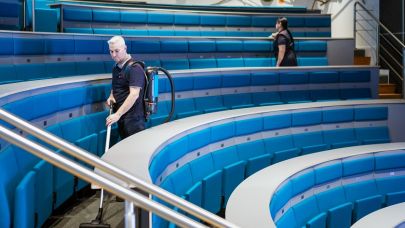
[121, 84]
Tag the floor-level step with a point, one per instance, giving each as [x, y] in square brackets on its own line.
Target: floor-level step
[362, 60]
[386, 88]
[390, 96]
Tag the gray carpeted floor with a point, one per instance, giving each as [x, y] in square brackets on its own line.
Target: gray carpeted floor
[86, 210]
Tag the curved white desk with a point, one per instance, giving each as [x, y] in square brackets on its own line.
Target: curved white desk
[255, 193]
[135, 152]
[387, 217]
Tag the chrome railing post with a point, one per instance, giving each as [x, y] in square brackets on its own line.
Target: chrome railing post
[403, 72]
[92, 177]
[130, 220]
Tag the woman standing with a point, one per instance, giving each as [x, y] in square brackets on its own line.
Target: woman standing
[283, 44]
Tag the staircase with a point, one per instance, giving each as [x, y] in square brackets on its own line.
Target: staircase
[360, 57]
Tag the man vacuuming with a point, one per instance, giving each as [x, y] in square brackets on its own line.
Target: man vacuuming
[128, 81]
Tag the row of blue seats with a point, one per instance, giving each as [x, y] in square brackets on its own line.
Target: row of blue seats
[11, 12]
[206, 104]
[94, 45]
[32, 188]
[217, 80]
[11, 73]
[209, 180]
[196, 19]
[342, 205]
[195, 32]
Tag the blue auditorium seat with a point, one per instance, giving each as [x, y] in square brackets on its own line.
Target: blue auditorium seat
[209, 104]
[312, 46]
[365, 197]
[389, 187]
[249, 126]
[310, 142]
[255, 155]
[293, 78]
[153, 32]
[232, 168]
[371, 135]
[182, 83]
[318, 221]
[281, 147]
[43, 191]
[60, 69]
[264, 21]
[9, 178]
[213, 184]
[222, 132]
[160, 18]
[305, 210]
[181, 180]
[185, 108]
[328, 172]
[235, 80]
[134, 32]
[25, 202]
[187, 33]
[325, 95]
[113, 16]
[238, 33]
[134, 17]
[355, 76]
[338, 115]
[257, 46]
[258, 62]
[199, 139]
[175, 64]
[387, 161]
[229, 46]
[324, 77]
[264, 78]
[36, 71]
[8, 74]
[207, 82]
[186, 19]
[240, 100]
[357, 166]
[211, 20]
[317, 21]
[78, 30]
[340, 216]
[230, 62]
[177, 149]
[202, 46]
[288, 220]
[297, 96]
[89, 46]
[266, 98]
[90, 67]
[371, 113]
[276, 122]
[330, 198]
[357, 93]
[296, 21]
[213, 33]
[280, 198]
[107, 31]
[7, 46]
[312, 61]
[340, 138]
[302, 182]
[59, 46]
[173, 46]
[76, 14]
[28, 46]
[306, 118]
[239, 21]
[145, 46]
[202, 63]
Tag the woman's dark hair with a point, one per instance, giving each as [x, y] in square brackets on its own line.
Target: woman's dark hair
[284, 23]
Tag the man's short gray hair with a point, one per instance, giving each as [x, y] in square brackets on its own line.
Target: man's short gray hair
[116, 40]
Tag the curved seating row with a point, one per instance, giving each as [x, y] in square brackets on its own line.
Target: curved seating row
[390, 216]
[203, 158]
[41, 44]
[83, 16]
[329, 189]
[12, 73]
[190, 33]
[340, 192]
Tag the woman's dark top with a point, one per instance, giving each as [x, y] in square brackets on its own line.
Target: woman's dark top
[284, 38]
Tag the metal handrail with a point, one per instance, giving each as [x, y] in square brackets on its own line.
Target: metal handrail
[393, 47]
[90, 176]
[379, 23]
[115, 171]
[392, 69]
[392, 57]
